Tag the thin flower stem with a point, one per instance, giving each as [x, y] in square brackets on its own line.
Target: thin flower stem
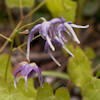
[34, 10]
[31, 23]
[5, 37]
[22, 51]
[55, 74]
[11, 50]
[25, 43]
[1, 49]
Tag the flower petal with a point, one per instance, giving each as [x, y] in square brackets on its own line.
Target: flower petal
[63, 45]
[15, 74]
[46, 47]
[57, 20]
[57, 41]
[30, 38]
[40, 78]
[26, 83]
[72, 32]
[26, 70]
[78, 26]
[44, 28]
[50, 44]
[54, 59]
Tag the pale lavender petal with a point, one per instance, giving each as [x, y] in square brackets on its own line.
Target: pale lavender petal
[79, 26]
[26, 70]
[44, 29]
[30, 38]
[57, 20]
[61, 37]
[52, 32]
[15, 83]
[40, 78]
[72, 32]
[18, 70]
[62, 29]
[57, 41]
[15, 74]
[26, 83]
[50, 44]
[46, 47]
[54, 59]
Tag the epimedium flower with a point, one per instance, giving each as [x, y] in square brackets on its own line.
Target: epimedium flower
[47, 30]
[67, 27]
[52, 33]
[29, 71]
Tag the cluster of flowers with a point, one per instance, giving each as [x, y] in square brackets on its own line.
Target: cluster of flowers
[51, 31]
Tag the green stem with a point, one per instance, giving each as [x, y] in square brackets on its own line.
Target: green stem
[5, 37]
[4, 45]
[25, 43]
[11, 50]
[55, 74]
[31, 23]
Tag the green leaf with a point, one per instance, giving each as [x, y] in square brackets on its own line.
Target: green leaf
[13, 94]
[3, 84]
[89, 52]
[10, 93]
[79, 68]
[46, 93]
[79, 53]
[65, 8]
[3, 64]
[31, 90]
[92, 90]
[16, 3]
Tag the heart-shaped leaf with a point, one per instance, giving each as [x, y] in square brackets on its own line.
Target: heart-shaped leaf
[79, 68]
[92, 90]
[46, 93]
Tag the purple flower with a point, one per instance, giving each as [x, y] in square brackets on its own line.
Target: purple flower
[53, 33]
[47, 30]
[29, 71]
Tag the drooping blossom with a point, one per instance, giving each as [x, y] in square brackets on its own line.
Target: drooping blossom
[52, 33]
[29, 71]
[47, 30]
